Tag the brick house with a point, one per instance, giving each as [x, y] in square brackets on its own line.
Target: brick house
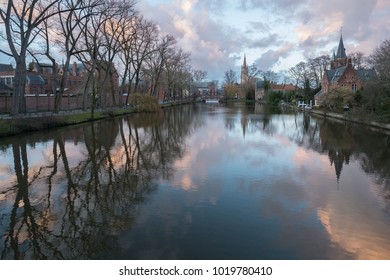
[39, 86]
[343, 74]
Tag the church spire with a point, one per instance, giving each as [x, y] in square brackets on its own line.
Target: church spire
[341, 49]
[244, 71]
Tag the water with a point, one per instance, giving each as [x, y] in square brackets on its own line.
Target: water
[197, 182]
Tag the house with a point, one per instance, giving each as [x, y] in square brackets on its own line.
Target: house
[5, 90]
[201, 88]
[343, 74]
[35, 83]
[284, 88]
[75, 75]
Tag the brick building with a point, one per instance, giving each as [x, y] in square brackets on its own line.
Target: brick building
[39, 86]
[343, 74]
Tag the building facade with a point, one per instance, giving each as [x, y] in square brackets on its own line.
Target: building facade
[343, 74]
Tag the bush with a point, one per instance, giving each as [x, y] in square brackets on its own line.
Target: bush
[144, 103]
[274, 97]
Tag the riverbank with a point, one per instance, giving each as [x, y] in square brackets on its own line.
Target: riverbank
[346, 116]
[40, 121]
[10, 126]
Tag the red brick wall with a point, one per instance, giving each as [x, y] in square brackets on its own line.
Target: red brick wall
[44, 103]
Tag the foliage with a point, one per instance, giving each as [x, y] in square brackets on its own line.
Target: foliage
[337, 98]
[290, 96]
[375, 99]
[232, 91]
[144, 103]
[274, 97]
[380, 59]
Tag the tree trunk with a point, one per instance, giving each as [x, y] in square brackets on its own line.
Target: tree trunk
[19, 97]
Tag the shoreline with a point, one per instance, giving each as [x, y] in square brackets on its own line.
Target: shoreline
[40, 121]
[11, 126]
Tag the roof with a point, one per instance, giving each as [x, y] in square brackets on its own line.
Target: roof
[4, 87]
[341, 49]
[6, 67]
[200, 84]
[35, 79]
[283, 87]
[334, 75]
[366, 74]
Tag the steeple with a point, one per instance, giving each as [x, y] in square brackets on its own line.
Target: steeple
[341, 48]
[244, 71]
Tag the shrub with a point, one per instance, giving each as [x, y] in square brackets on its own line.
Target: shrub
[144, 103]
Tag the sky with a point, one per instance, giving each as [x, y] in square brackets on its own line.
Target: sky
[273, 34]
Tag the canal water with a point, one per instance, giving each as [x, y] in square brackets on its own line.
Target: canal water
[197, 182]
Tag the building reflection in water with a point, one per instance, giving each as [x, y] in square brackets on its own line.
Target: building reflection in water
[75, 193]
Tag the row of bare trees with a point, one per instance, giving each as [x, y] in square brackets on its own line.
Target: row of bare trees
[111, 38]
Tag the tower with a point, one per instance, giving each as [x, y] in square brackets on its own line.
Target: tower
[244, 71]
[340, 58]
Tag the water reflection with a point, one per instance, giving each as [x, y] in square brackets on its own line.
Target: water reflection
[197, 182]
[69, 193]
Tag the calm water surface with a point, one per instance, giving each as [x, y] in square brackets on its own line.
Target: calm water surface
[197, 182]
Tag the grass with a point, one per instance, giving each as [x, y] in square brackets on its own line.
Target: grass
[16, 126]
[5, 127]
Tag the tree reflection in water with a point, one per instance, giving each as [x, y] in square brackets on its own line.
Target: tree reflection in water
[341, 141]
[70, 193]
[84, 189]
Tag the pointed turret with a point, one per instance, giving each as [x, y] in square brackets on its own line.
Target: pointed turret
[341, 49]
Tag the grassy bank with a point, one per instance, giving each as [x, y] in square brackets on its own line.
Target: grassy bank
[37, 122]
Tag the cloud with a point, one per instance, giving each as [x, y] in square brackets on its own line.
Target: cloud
[216, 32]
[272, 57]
[191, 23]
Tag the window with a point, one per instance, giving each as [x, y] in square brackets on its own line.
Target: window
[354, 87]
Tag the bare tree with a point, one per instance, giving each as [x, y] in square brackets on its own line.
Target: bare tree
[116, 13]
[156, 60]
[269, 76]
[69, 34]
[22, 20]
[316, 67]
[142, 47]
[175, 65]
[199, 75]
[359, 60]
[230, 77]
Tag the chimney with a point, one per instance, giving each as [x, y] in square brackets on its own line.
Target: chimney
[74, 69]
